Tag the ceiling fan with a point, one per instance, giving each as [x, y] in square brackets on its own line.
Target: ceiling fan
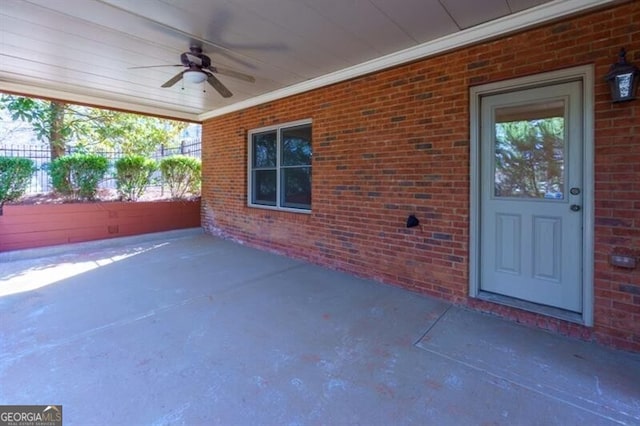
[199, 69]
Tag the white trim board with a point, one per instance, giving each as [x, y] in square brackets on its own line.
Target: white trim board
[586, 75]
[49, 93]
[509, 24]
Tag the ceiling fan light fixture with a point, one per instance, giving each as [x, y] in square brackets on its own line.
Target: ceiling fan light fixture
[194, 76]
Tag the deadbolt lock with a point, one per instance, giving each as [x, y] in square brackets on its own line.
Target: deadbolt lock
[575, 191]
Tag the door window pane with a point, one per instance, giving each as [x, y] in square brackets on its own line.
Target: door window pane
[530, 151]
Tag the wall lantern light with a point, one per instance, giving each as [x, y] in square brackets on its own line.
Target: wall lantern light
[623, 79]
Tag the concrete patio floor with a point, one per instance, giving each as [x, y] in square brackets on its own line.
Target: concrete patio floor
[184, 328]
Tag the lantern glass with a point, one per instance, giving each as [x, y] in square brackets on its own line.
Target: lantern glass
[623, 79]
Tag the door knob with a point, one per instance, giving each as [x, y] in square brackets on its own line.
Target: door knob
[575, 208]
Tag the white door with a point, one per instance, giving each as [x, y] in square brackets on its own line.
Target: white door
[531, 195]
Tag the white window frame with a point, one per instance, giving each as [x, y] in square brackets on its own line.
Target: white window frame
[278, 129]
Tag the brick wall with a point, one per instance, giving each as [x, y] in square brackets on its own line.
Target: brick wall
[397, 142]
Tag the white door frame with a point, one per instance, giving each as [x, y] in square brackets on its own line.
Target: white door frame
[586, 75]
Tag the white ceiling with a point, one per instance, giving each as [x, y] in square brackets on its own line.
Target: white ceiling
[82, 50]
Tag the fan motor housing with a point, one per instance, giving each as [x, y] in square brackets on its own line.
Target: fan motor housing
[205, 61]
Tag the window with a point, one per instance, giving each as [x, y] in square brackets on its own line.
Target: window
[280, 167]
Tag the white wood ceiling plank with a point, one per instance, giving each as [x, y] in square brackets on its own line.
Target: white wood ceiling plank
[296, 53]
[520, 5]
[208, 23]
[61, 67]
[102, 18]
[42, 24]
[54, 90]
[538, 16]
[318, 32]
[62, 51]
[468, 13]
[25, 69]
[422, 20]
[259, 42]
[67, 66]
[33, 85]
[113, 46]
[72, 49]
[65, 53]
[85, 47]
[358, 17]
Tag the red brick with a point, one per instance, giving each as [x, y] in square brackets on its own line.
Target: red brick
[397, 142]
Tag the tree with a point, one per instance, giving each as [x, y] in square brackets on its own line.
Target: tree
[46, 117]
[132, 134]
[61, 124]
[12, 130]
[529, 157]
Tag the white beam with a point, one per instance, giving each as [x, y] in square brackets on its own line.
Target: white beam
[48, 93]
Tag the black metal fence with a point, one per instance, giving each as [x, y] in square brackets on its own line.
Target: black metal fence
[41, 156]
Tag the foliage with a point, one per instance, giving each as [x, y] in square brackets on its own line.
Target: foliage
[30, 110]
[13, 132]
[181, 174]
[47, 118]
[529, 157]
[133, 175]
[129, 133]
[60, 124]
[15, 174]
[78, 175]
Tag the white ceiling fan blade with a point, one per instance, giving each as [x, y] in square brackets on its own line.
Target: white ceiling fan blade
[232, 73]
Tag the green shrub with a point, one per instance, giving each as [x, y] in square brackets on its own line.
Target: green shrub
[15, 175]
[78, 175]
[133, 175]
[181, 174]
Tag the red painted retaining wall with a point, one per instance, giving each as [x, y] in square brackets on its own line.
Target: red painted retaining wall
[42, 225]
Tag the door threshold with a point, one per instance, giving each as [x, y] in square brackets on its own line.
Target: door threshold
[545, 310]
